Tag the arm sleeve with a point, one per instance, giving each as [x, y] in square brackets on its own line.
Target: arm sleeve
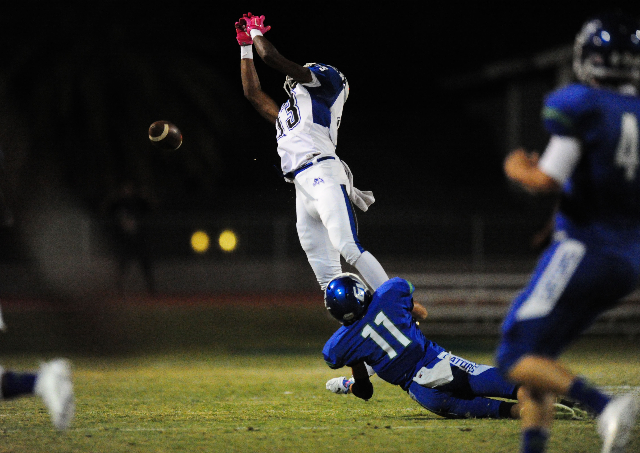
[560, 158]
[332, 358]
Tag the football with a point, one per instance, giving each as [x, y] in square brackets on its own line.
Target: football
[165, 135]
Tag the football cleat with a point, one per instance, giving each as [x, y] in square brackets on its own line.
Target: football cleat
[616, 422]
[54, 386]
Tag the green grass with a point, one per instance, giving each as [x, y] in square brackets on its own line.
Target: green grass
[263, 392]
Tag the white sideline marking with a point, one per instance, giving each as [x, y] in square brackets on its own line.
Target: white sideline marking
[439, 427]
[617, 389]
[259, 428]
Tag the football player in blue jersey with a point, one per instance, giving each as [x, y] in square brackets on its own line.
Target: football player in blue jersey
[592, 160]
[380, 331]
[307, 135]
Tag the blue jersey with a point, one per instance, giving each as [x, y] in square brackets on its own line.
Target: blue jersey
[386, 338]
[595, 260]
[601, 200]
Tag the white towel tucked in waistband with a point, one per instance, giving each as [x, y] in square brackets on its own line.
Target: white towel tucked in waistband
[439, 374]
[361, 198]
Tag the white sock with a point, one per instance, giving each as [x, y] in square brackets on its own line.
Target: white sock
[371, 270]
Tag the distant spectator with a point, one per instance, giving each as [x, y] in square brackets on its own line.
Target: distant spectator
[127, 211]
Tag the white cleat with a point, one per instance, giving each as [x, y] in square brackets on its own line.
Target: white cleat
[616, 422]
[54, 386]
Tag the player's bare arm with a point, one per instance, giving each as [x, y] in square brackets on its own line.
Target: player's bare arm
[521, 167]
[254, 25]
[419, 313]
[260, 100]
[274, 59]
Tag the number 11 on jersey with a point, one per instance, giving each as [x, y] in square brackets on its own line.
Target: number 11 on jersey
[369, 332]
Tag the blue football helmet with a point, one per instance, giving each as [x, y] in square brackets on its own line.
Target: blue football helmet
[347, 298]
[607, 49]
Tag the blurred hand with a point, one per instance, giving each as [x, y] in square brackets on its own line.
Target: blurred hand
[518, 160]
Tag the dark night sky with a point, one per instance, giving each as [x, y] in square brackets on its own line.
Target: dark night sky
[83, 81]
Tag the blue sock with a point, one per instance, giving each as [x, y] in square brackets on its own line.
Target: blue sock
[534, 440]
[17, 384]
[588, 395]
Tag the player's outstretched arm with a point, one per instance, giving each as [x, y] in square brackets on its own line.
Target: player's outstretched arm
[250, 81]
[362, 386]
[270, 55]
[419, 313]
[359, 384]
[260, 100]
[273, 58]
[521, 167]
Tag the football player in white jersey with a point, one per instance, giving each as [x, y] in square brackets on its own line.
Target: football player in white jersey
[307, 132]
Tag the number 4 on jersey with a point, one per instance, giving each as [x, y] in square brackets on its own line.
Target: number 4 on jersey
[627, 150]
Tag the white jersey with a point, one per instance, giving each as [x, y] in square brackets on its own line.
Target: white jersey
[308, 122]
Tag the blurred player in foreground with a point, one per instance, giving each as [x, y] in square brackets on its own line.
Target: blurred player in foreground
[307, 134]
[592, 159]
[52, 383]
[381, 330]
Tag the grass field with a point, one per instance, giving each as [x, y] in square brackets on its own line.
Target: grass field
[249, 379]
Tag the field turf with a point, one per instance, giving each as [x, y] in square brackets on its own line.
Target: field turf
[249, 378]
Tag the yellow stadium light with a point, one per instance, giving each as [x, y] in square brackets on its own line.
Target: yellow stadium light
[200, 242]
[228, 241]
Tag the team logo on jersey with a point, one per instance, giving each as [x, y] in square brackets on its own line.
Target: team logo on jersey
[318, 181]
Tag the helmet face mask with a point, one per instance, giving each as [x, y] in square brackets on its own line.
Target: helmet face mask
[607, 50]
[347, 298]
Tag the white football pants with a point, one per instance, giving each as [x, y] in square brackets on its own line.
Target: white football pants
[326, 225]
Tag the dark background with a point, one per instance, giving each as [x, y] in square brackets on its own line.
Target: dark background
[81, 82]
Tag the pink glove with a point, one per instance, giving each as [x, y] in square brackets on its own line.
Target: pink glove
[255, 23]
[242, 34]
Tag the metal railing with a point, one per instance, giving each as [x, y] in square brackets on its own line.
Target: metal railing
[476, 303]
